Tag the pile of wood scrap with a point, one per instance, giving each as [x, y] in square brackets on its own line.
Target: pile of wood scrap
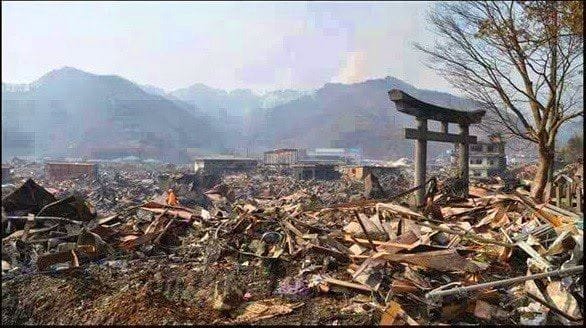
[468, 258]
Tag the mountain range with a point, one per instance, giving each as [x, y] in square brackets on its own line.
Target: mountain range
[69, 112]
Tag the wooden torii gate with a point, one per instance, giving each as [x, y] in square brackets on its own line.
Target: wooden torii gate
[423, 112]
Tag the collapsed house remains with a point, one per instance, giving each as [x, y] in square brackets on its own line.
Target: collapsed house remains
[65, 171]
[271, 250]
[423, 112]
[360, 172]
[567, 189]
[315, 171]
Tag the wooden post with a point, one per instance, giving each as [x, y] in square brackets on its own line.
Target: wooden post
[444, 127]
[420, 160]
[578, 198]
[570, 195]
[464, 158]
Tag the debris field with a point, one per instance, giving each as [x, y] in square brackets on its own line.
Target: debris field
[261, 247]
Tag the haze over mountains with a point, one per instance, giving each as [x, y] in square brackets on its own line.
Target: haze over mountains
[69, 112]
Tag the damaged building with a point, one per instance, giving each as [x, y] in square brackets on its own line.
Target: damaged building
[283, 156]
[315, 172]
[487, 158]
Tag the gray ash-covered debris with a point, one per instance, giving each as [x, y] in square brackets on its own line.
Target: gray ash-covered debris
[269, 249]
[394, 182]
[373, 188]
[28, 198]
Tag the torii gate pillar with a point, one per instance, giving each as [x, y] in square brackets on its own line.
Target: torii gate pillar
[464, 160]
[420, 158]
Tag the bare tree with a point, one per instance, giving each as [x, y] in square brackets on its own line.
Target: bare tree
[522, 60]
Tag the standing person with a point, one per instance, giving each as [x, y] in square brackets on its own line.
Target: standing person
[172, 199]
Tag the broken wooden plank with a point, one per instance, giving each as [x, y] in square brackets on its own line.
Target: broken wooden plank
[394, 311]
[20, 233]
[398, 209]
[444, 260]
[293, 229]
[465, 235]
[552, 307]
[357, 249]
[364, 230]
[563, 301]
[43, 218]
[347, 284]
[178, 213]
[370, 262]
[386, 244]
[389, 315]
[403, 287]
[555, 220]
[46, 261]
[533, 253]
[106, 219]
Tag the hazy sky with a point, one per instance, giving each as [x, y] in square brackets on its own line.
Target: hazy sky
[257, 45]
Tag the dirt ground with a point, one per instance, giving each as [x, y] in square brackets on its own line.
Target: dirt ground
[179, 294]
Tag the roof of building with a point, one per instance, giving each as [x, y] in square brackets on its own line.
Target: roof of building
[322, 165]
[235, 159]
[373, 167]
[280, 150]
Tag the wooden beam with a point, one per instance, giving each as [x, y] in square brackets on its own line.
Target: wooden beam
[415, 107]
[438, 136]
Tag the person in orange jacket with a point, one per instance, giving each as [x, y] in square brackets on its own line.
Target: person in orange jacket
[172, 199]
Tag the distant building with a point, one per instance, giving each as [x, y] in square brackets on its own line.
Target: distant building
[225, 165]
[6, 175]
[285, 156]
[328, 156]
[487, 158]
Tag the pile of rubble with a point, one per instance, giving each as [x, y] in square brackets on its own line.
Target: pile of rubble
[270, 249]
